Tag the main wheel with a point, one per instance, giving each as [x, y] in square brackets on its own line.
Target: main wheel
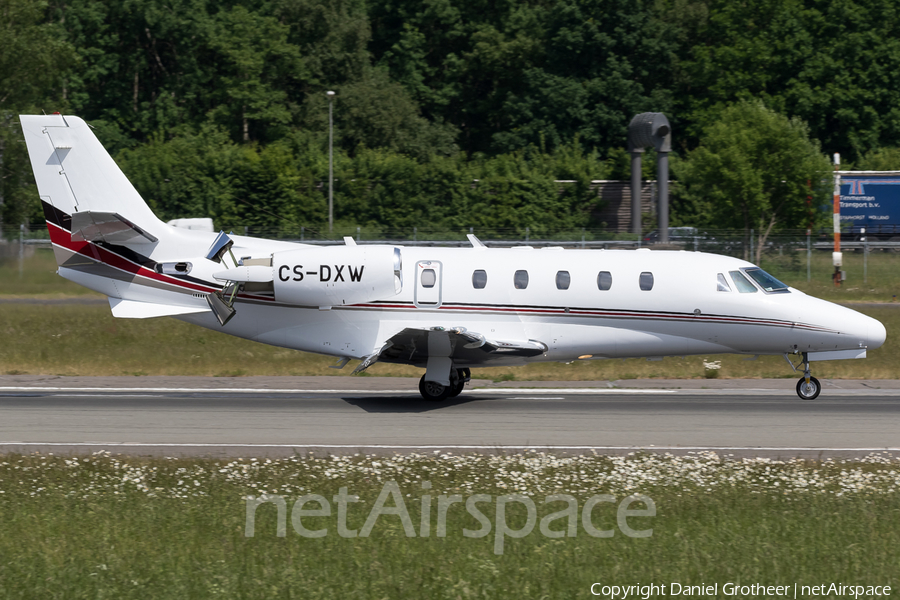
[456, 387]
[431, 390]
[808, 391]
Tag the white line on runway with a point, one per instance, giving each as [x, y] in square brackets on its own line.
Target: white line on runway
[284, 391]
[200, 390]
[456, 447]
[568, 391]
[95, 395]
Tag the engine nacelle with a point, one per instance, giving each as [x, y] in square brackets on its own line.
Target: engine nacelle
[337, 275]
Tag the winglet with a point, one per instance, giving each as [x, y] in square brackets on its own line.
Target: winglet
[476, 243]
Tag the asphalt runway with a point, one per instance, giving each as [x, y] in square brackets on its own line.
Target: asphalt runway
[279, 422]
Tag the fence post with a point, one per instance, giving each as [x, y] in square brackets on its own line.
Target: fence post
[751, 246]
[808, 256]
[21, 250]
[865, 240]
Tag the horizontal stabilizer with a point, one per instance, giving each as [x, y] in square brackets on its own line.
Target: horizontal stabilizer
[131, 309]
[113, 228]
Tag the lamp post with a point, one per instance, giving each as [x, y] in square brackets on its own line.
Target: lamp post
[330, 95]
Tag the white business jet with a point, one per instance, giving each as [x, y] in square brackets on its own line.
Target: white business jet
[447, 310]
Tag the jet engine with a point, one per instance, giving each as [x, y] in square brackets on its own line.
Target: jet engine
[337, 276]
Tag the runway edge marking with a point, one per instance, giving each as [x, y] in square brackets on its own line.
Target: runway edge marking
[333, 391]
[451, 447]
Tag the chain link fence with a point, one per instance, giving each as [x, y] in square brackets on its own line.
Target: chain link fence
[790, 254]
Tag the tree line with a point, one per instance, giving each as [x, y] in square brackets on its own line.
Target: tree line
[455, 114]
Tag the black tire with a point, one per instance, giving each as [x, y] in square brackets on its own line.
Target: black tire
[456, 387]
[810, 392]
[433, 391]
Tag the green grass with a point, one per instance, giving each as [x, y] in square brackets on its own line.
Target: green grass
[102, 527]
[879, 282]
[37, 278]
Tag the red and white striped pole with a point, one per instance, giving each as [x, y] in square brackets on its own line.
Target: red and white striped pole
[837, 257]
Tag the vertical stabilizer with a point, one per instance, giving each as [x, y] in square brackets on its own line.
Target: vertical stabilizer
[76, 175]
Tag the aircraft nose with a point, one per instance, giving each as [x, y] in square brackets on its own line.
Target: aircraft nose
[876, 334]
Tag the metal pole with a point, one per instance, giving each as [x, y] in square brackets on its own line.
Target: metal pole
[837, 258]
[865, 241]
[636, 191]
[808, 256]
[662, 177]
[751, 247]
[330, 95]
[21, 250]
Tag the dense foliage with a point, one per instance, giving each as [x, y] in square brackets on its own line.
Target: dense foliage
[218, 108]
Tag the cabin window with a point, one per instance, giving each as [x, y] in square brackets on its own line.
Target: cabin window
[429, 278]
[479, 279]
[742, 284]
[604, 280]
[563, 279]
[646, 281]
[520, 280]
[769, 284]
[722, 283]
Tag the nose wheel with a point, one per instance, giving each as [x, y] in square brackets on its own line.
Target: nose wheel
[808, 387]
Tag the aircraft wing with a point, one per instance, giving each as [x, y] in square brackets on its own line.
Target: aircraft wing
[413, 346]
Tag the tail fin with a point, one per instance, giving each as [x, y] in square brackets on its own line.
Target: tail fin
[84, 192]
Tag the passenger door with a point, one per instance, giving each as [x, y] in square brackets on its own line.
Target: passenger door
[428, 284]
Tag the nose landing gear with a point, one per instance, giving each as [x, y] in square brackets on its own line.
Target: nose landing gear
[808, 387]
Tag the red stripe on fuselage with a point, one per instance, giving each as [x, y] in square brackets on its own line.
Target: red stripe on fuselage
[63, 238]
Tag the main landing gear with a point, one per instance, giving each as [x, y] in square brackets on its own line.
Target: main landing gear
[808, 387]
[431, 390]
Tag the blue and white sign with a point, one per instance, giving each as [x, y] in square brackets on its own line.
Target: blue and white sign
[872, 202]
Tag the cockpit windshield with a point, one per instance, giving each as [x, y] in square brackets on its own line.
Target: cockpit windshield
[768, 283]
